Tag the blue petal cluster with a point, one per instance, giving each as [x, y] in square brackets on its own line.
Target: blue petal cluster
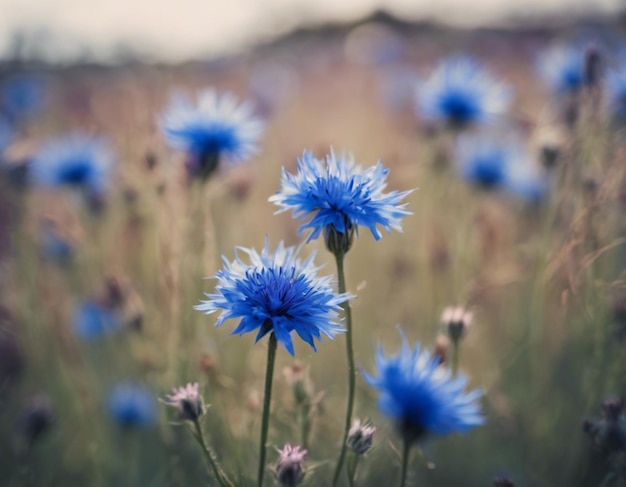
[562, 68]
[615, 88]
[92, 320]
[500, 163]
[276, 292]
[79, 161]
[460, 92]
[421, 396]
[337, 193]
[131, 405]
[21, 96]
[217, 125]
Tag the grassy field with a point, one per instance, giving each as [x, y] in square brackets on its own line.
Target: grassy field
[545, 280]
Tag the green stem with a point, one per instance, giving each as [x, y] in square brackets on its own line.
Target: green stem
[269, 373]
[405, 462]
[455, 357]
[353, 462]
[351, 367]
[210, 457]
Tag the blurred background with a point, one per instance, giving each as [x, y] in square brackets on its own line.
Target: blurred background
[110, 31]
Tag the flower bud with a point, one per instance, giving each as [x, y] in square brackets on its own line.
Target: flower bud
[456, 321]
[188, 401]
[289, 470]
[360, 437]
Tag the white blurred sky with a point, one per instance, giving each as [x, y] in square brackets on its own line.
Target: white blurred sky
[174, 30]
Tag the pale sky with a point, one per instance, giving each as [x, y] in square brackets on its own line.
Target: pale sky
[176, 30]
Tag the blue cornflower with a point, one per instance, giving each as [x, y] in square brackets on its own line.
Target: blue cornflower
[21, 96]
[278, 293]
[421, 396]
[460, 92]
[132, 405]
[92, 320]
[562, 68]
[78, 160]
[217, 126]
[338, 196]
[500, 163]
[615, 84]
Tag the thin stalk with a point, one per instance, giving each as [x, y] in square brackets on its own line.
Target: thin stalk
[265, 422]
[353, 462]
[210, 457]
[405, 462]
[455, 357]
[351, 368]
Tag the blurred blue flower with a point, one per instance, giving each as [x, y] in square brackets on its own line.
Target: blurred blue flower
[92, 320]
[562, 68]
[7, 132]
[278, 293]
[500, 163]
[421, 396]
[460, 92]
[615, 88]
[131, 405]
[337, 195]
[78, 160]
[21, 96]
[217, 126]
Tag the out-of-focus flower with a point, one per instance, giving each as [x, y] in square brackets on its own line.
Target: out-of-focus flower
[361, 436]
[338, 196]
[92, 320]
[456, 321]
[187, 400]
[79, 161]
[460, 92]
[422, 397]
[289, 469]
[615, 84]
[608, 432]
[21, 96]
[131, 405]
[503, 482]
[276, 293]
[562, 68]
[54, 245]
[216, 126]
[36, 419]
[7, 134]
[500, 163]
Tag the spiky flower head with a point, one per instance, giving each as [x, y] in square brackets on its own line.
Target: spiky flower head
[80, 161]
[456, 320]
[421, 395]
[132, 405]
[562, 68]
[338, 196]
[461, 92]
[216, 126]
[187, 400]
[276, 292]
[289, 470]
[361, 436]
